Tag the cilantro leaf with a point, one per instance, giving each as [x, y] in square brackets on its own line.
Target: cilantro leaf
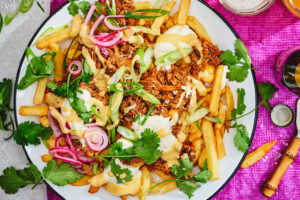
[188, 187]
[241, 139]
[242, 52]
[79, 106]
[86, 72]
[31, 133]
[229, 58]
[146, 147]
[203, 176]
[266, 91]
[5, 92]
[84, 6]
[116, 150]
[73, 9]
[184, 169]
[11, 179]
[241, 107]
[122, 174]
[60, 174]
[237, 72]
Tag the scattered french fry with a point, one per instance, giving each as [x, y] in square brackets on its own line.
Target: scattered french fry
[197, 144]
[58, 61]
[142, 5]
[93, 189]
[56, 37]
[202, 158]
[124, 197]
[194, 23]
[258, 154]
[215, 97]
[221, 115]
[47, 157]
[53, 100]
[230, 104]
[45, 121]
[163, 175]
[220, 144]
[166, 187]
[210, 144]
[83, 181]
[33, 110]
[76, 25]
[183, 11]
[208, 74]
[145, 182]
[175, 18]
[40, 91]
[154, 190]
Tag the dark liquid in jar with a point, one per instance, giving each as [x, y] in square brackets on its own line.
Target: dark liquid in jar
[291, 73]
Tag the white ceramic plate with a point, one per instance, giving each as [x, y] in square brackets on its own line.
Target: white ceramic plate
[221, 34]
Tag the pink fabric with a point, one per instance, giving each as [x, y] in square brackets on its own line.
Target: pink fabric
[266, 35]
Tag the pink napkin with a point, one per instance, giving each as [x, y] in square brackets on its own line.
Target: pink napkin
[266, 35]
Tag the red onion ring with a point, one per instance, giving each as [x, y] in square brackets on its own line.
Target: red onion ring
[69, 142]
[104, 51]
[90, 14]
[58, 140]
[96, 24]
[112, 27]
[97, 141]
[110, 43]
[87, 171]
[79, 67]
[54, 125]
[66, 151]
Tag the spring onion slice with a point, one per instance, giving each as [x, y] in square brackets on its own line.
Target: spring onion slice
[172, 56]
[200, 102]
[147, 115]
[113, 135]
[160, 13]
[10, 16]
[95, 168]
[127, 133]
[137, 118]
[147, 60]
[215, 120]
[1, 22]
[40, 6]
[25, 5]
[198, 125]
[198, 114]
[112, 7]
[117, 75]
[115, 101]
[52, 30]
[135, 87]
[146, 96]
[65, 58]
[143, 30]
[95, 112]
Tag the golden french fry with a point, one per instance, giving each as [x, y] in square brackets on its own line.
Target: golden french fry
[40, 91]
[175, 18]
[53, 100]
[197, 144]
[210, 145]
[230, 104]
[124, 197]
[51, 142]
[56, 37]
[145, 182]
[142, 5]
[93, 189]
[163, 175]
[160, 20]
[83, 181]
[183, 11]
[258, 154]
[220, 144]
[222, 131]
[194, 23]
[154, 190]
[221, 115]
[47, 157]
[208, 74]
[166, 187]
[216, 93]
[169, 23]
[76, 25]
[44, 121]
[202, 158]
[58, 61]
[33, 110]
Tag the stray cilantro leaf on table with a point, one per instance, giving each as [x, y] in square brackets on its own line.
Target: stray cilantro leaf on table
[31, 133]
[120, 172]
[241, 139]
[266, 91]
[60, 174]
[241, 107]
[238, 63]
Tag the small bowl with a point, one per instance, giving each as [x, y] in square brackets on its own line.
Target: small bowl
[247, 12]
[291, 6]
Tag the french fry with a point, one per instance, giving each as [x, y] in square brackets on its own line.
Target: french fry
[166, 187]
[124, 197]
[220, 144]
[183, 11]
[33, 110]
[93, 189]
[40, 91]
[202, 157]
[258, 154]
[197, 144]
[222, 131]
[154, 190]
[163, 175]
[76, 25]
[194, 23]
[47, 157]
[175, 18]
[44, 121]
[145, 182]
[53, 100]
[208, 74]
[230, 104]
[169, 23]
[142, 5]
[83, 181]
[221, 115]
[56, 37]
[58, 61]
[210, 145]
[160, 20]
[51, 142]
[216, 93]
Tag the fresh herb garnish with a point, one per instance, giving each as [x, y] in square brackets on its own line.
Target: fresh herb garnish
[1, 22]
[159, 13]
[67, 52]
[86, 72]
[25, 5]
[238, 63]
[198, 125]
[40, 6]
[266, 91]
[215, 120]
[147, 115]
[31, 133]
[83, 6]
[118, 171]
[133, 87]
[37, 68]
[79, 106]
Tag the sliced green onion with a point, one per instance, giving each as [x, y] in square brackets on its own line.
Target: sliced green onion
[113, 135]
[127, 133]
[198, 125]
[158, 11]
[200, 102]
[29, 54]
[137, 118]
[115, 101]
[147, 115]
[215, 120]
[98, 4]
[115, 117]
[135, 87]
[95, 111]
[147, 60]
[198, 114]
[143, 30]
[65, 59]
[117, 75]
[10, 16]
[172, 56]
[40, 6]
[52, 30]
[25, 5]
[95, 168]
[146, 96]
[1, 22]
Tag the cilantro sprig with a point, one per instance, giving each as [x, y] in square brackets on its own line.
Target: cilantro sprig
[184, 182]
[118, 171]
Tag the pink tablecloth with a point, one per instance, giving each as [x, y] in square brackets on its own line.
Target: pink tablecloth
[265, 35]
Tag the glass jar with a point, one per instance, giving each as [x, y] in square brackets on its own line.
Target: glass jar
[293, 6]
[247, 7]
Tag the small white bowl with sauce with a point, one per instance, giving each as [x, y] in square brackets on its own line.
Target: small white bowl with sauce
[246, 7]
